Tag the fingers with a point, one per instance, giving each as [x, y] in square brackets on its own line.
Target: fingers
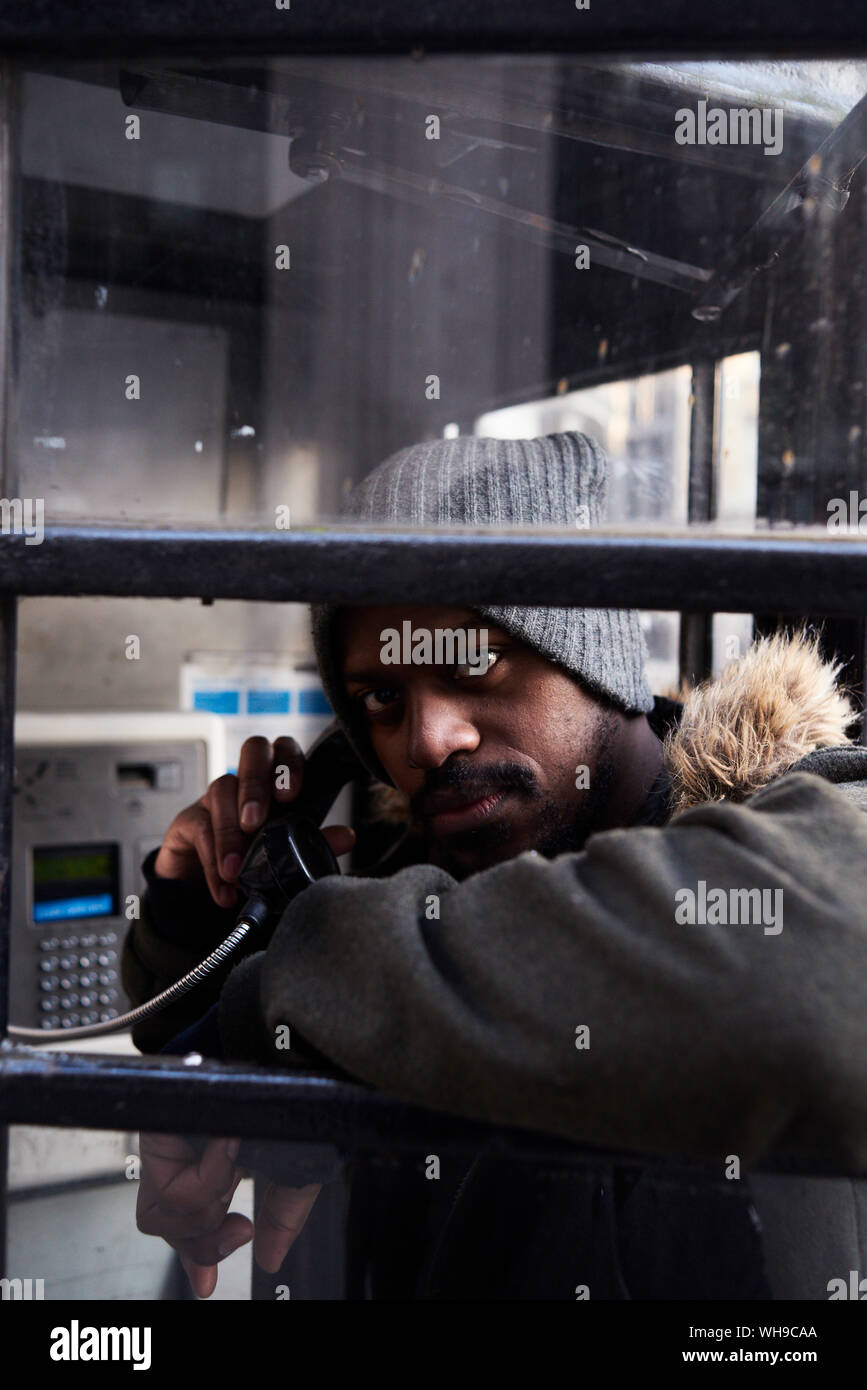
[213, 835]
[341, 838]
[288, 769]
[228, 843]
[179, 855]
[238, 806]
[179, 1198]
[216, 1168]
[200, 1255]
[254, 783]
[203, 1278]
[205, 843]
[279, 1222]
[265, 774]
[168, 1147]
[164, 1157]
[184, 1199]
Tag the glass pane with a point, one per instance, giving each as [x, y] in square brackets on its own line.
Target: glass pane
[247, 283]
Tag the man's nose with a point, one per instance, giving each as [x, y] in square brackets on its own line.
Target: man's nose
[436, 727]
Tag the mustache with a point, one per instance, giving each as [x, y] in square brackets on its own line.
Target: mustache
[467, 777]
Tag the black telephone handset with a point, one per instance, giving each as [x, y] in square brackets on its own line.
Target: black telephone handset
[290, 851]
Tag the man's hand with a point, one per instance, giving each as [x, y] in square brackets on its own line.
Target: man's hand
[185, 1199]
[213, 835]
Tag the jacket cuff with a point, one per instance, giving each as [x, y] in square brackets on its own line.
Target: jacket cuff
[185, 905]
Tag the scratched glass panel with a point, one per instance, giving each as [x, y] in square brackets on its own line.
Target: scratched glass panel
[245, 283]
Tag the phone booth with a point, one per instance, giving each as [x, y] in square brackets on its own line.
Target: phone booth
[247, 256]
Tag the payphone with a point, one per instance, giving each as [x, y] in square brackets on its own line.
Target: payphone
[93, 794]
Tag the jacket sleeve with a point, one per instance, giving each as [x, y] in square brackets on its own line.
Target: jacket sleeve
[702, 1040]
[180, 925]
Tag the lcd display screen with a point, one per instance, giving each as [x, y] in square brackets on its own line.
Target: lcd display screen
[75, 881]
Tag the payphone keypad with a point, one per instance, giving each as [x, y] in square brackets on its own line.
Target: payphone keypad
[78, 980]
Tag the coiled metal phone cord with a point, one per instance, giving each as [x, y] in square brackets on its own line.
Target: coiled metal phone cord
[168, 996]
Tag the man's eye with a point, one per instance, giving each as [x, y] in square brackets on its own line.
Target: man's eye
[375, 701]
[477, 670]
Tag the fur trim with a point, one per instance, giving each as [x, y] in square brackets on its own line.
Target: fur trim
[769, 709]
[388, 805]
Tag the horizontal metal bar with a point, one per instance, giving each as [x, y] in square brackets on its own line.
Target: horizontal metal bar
[805, 572]
[84, 1091]
[383, 26]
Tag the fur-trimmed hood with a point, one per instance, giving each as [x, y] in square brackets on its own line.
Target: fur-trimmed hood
[764, 713]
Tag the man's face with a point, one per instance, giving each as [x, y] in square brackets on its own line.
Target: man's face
[491, 763]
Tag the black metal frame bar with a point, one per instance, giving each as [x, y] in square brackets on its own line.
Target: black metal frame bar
[817, 27]
[96, 1092]
[696, 628]
[803, 571]
[9, 223]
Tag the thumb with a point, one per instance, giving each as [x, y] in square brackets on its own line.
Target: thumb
[341, 838]
[203, 1278]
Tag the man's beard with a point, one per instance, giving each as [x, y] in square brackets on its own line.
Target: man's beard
[559, 832]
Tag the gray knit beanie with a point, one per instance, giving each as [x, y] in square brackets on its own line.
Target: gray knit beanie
[556, 480]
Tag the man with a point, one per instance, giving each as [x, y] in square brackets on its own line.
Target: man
[637, 927]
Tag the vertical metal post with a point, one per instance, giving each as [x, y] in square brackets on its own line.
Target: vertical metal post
[864, 701]
[8, 602]
[696, 629]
